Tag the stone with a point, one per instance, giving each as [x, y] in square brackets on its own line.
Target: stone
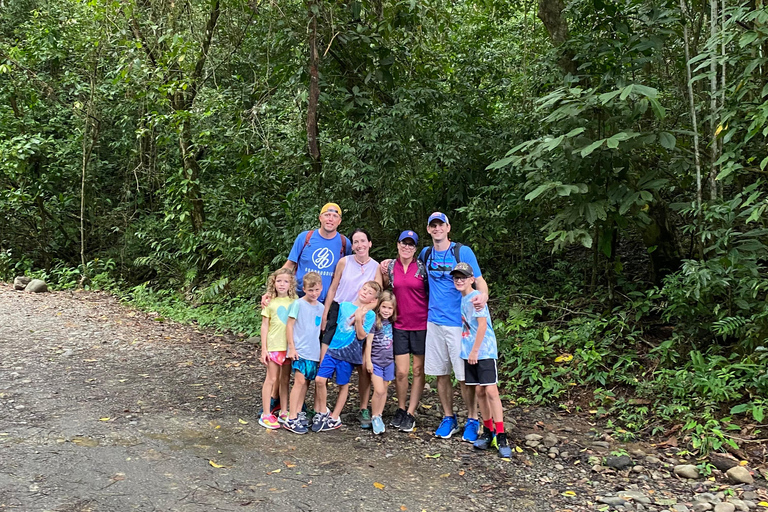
[36, 286]
[534, 437]
[636, 496]
[638, 469]
[652, 460]
[559, 467]
[554, 450]
[740, 505]
[637, 452]
[739, 475]
[725, 507]
[619, 463]
[550, 440]
[679, 507]
[751, 505]
[749, 495]
[705, 496]
[601, 444]
[532, 444]
[686, 471]
[564, 455]
[702, 506]
[21, 282]
[723, 461]
[611, 500]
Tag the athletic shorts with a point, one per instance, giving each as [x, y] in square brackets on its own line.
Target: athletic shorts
[443, 351]
[306, 367]
[330, 324]
[408, 342]
[342, 369]
[277, 357]
[387, 373]
[481, 374]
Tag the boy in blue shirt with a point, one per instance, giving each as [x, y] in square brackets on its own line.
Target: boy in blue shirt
[479, 352]
[303, 330]
[355, 321]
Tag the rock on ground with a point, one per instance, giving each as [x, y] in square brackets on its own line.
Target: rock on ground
[36, 286]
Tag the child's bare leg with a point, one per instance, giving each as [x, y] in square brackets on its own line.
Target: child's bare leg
[494, 402]
[323, 350]
[285, 379]
[321, 395]
[298, 393]
[402, 369]
[341, 401]
[482, 400]
[364, 383]
[418, 383]
[379, 395]
[266, 390]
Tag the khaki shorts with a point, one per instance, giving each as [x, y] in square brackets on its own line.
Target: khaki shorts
[443, 351]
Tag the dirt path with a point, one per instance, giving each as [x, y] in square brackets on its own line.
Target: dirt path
[103, 408]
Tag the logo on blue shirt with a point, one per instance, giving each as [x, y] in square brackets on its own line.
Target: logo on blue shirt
[322, 258]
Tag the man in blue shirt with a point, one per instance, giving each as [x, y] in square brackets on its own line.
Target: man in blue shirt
[443, 343]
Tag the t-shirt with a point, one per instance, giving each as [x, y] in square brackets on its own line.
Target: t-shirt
[444, 298]
[411, 295]
[306, 329]
[345, 346]
[277, 312]
[381, 346]
[469, 316]
[320, 255]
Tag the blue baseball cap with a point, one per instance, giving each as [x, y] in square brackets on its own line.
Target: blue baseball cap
[409, 234]
[438, 216]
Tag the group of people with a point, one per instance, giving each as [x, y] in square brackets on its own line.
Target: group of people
[332, 310]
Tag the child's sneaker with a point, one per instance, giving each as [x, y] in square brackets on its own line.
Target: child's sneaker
[408, 423]
[378, 425]
[282, 417]
[397, 419]
[447, 427]
[269, 421]
[485, 440]
[505, 451]
[295, 426]
[317, 421]
[330, 424]
[365, 418]
[471, 430]
[302, 417]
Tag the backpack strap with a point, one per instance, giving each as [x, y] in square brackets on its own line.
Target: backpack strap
[306, 243]
[391, 272]
[343, 245]
[457, 251]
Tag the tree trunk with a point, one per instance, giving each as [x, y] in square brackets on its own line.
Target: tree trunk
[192, 174]
[314, 90]
[713, 124]
[551, 14]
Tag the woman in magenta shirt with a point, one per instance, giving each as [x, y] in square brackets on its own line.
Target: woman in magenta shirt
[408, 278]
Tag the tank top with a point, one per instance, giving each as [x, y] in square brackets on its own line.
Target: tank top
[353, 278]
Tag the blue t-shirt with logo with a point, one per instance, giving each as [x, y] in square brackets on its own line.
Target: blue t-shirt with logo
[345, 346]
[306, 329]
[469, 316]
[319, 255]
[444, 298]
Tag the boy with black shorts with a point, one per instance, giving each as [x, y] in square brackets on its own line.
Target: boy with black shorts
[479, 352]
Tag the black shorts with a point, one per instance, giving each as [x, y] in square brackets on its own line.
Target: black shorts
[481, 374]
[408, 342]
[330, 324]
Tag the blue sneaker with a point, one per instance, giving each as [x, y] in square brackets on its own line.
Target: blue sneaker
[319, 419]
[295, 426]
[378, 425]
[447, 428]
[505, 452]
[471, 430]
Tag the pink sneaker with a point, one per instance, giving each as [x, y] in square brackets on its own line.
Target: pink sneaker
[269, 421]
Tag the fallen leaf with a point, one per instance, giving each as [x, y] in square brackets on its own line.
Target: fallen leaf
[743, 463]
[461, 473]
[435, 456]
[569, 493]
[518, 449]
[243, 422]
[217, 426]
[378, 485]
[288, 464]
[763, 504]
[274, 471]
[215, 465]
[403, 508]
[426, 406]
[105, 418]
[445, 475]
[563, 358]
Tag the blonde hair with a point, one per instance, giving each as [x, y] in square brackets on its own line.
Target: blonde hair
[310, 279]
[272, 291]
[386, 296]
[373, 285]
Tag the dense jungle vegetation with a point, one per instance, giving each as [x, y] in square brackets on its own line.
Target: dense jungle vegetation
[606, 159]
